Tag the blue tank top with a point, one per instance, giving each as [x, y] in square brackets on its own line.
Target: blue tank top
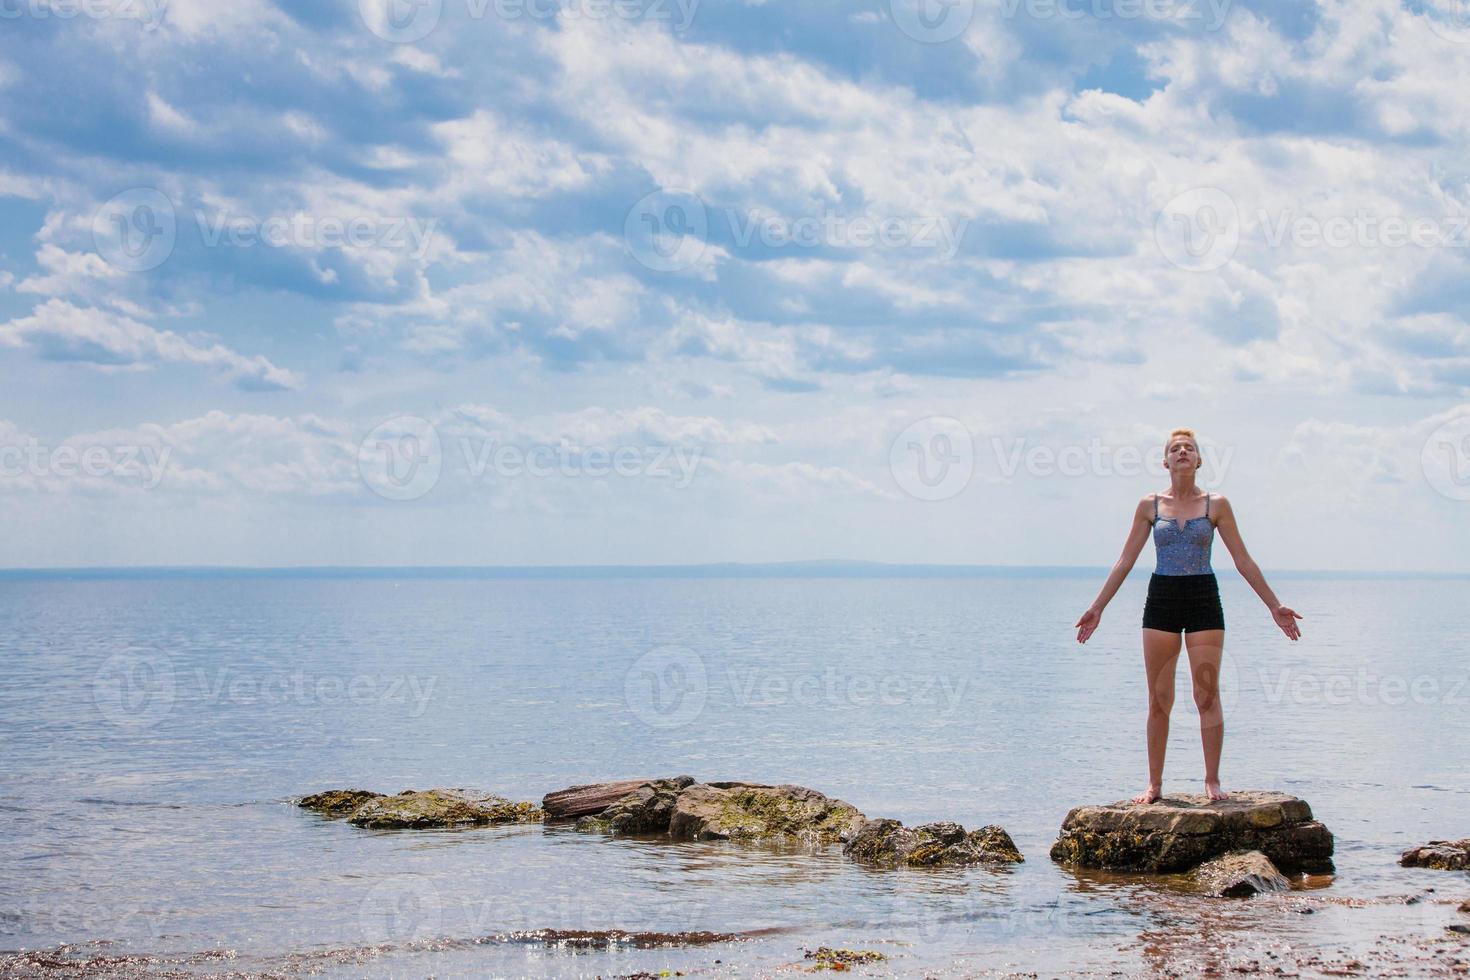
[1183, 551]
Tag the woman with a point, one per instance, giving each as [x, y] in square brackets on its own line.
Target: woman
[1183, 596]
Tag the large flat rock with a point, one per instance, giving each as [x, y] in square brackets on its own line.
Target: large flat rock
[1182, 831]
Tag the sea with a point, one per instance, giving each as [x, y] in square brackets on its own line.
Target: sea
[157, 727]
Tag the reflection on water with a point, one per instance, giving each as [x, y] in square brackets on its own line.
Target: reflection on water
[155, 730]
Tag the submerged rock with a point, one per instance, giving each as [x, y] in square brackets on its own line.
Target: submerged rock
[337, 802]
[1442, 855]
[841, 960]
[889, 842]
[441, 808]
[1179, 832]
[587, 798]
[1240, 875]
[690, 810]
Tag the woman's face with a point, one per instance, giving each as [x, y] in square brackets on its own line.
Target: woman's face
[1181, 454]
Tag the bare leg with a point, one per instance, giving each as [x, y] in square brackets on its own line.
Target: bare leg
[1206, 647]
[1160, 654]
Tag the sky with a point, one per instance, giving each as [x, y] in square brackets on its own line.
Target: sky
[508, 282]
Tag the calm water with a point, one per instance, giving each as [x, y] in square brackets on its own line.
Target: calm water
[153, 730]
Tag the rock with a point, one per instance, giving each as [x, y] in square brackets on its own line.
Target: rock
[644, 810]
[755, 811]
[889, 842]
[1179, 832]
[842, 960]
[586, 799]
[337, 802]
[730, 810]
[1464, 907]
[1442, 855]
[441, 808]
[1240, 875]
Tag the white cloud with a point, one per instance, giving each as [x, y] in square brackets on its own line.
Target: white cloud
[57, 330]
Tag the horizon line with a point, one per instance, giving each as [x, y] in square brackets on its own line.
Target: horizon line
[821, 567]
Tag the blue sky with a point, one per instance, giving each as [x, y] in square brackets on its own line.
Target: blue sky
[534, 282]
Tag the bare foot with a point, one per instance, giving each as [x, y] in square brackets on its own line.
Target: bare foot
[1213, 790]
[1149, 795]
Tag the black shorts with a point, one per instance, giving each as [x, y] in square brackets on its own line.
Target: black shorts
[1183, 602]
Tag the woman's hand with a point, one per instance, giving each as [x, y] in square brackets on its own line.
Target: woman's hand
[1286, 618]
[1087, 625]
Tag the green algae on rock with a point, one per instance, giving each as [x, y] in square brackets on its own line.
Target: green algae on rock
[889, 842]
[755, 811]
[1180, 832]
[732, 810]
[1441, 855]
[413, 809]
[441, 808]
[337, 802]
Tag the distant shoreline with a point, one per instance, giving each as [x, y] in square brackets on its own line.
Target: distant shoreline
[715, 570]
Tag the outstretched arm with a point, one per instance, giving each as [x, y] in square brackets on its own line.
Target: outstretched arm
[1137, 535]
[1246, 565]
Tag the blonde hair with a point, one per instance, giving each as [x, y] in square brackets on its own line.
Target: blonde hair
[1181, 432]
[1189, 433]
